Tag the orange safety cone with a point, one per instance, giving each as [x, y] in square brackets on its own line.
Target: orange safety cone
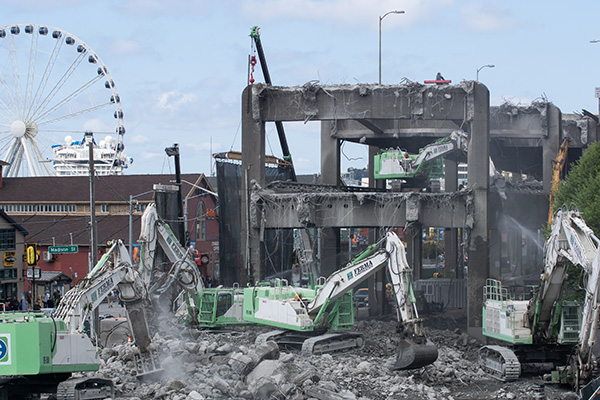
[128, 339]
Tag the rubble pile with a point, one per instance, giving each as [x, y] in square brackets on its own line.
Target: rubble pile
[202, 365]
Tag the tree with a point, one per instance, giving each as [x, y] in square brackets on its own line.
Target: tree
[582, 187]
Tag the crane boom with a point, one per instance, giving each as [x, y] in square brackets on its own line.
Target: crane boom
[285, 149]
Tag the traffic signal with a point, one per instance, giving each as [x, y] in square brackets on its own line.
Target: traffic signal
[31, 254]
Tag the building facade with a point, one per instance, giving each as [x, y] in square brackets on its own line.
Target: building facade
[12, 251]
[56, 212]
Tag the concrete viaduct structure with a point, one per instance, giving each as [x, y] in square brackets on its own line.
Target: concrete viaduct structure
[519, 139]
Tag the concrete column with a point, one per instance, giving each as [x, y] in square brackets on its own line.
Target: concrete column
[515, 240]
[330, 156]
[460, 268]
[551, 143]
[412, 237]
[377, 301]
[451, 235]
[478, 181]
[330, 175]
[495, 249]
[253, 169]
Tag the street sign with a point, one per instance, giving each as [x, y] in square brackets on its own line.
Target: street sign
[9, 259]
[32, 270]
[63, 249]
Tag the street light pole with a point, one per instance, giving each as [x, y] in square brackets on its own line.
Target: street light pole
[381, 19]
[597, 90]
[485, 66]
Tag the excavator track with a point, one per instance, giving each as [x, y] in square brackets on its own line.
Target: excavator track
[500, 363]
[332, 342]
[271, 335]
[85, 388]
[309, 344]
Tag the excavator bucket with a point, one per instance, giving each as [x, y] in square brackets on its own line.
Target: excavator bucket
[413, 355]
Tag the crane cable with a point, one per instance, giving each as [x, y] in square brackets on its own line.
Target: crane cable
[252, 56]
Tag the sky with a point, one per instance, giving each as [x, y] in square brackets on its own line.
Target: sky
[180, 66]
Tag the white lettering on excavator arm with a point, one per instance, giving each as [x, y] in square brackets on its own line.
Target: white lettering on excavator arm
[103, 289]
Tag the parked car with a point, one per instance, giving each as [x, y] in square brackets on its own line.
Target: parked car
[361, 297]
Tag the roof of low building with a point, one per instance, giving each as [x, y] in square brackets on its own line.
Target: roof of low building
[12, 221]
[65, 229]
[77, 188]
[57, 230]
[51, 276]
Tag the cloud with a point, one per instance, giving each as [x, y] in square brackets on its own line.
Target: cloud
[174, 100]
[97, 125]
[41, 5]
[160, 7]
[204, 146]
[138, 139]
[487, 17]
[350, 12]
[149, 155]
[303, 163]
[123, 46]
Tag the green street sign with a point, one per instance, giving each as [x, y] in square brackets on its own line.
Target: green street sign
[63, 249]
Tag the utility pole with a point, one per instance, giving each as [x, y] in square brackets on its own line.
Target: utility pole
[174, 152]
[93, 232]
[93, 238]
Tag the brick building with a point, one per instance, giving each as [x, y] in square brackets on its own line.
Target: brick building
[56, 212]
[12, 250]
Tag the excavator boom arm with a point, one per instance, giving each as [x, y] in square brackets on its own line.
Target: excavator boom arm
[184, 271]
[76, 304]
[347, 279]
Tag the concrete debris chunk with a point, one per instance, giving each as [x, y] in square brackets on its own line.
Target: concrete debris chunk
[241, 363]
[221, 385]
[326, 394]
[199, 365]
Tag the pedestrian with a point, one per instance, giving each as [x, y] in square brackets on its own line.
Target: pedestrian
[118, 297]
[45, 298]
[110, 299]
[24, 302]
[14, 303]
[56, 295]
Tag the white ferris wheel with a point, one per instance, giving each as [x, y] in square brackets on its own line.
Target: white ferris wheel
[54, 90]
